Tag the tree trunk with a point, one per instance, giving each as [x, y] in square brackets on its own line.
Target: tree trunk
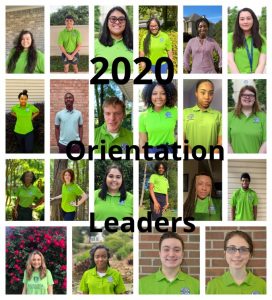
[143, 186]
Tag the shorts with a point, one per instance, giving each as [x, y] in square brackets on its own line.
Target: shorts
[71, 62]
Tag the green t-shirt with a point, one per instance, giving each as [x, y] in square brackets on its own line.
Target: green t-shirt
[69, 39]
[225, 284]
[160, 183]
[36, 285]
[159, 125]
[118, 49]
[246, 134]
[244, 201]
[22, 62]
[159, 46]
[157, 283]
[202, 127]
[124, 138]
[28, 195]
[240, 56]
[70, 192]
[112, 206]
[208, 209]
[24, 117]
[111, 283]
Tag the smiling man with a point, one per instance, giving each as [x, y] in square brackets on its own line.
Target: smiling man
[112, 132]
[202, 125]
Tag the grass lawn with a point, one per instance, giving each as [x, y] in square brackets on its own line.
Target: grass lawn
[56, 64]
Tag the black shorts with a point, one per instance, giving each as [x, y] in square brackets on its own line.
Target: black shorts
[70, 62]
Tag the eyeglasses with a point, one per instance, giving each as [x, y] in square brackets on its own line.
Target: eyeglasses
[154, 27]
[232, 250]
[248, 96]
[120, 20]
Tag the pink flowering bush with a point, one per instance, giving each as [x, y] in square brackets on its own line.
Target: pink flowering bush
[21, 241]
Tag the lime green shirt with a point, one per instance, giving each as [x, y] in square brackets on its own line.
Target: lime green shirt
[225, 284]
[124, 138]
[22, 62]
[240, 56]
[157, 283]
[208, 209]
[246, 134]
[112, 206]
[111, 283]
[118, 49]
[159, 125]
[159, 46]
[69, 193]
[202, 127]
[28, 195]
[24, 117]
[160, 183]
[36, 285]
[244, 201]
[69, 39]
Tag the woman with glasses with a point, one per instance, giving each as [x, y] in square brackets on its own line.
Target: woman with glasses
[246, 46]
[155, 44]
[247, 124]
[238, 249]
[116, 40]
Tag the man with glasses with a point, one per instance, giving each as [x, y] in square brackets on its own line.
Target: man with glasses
[69, 42]
[244, 201]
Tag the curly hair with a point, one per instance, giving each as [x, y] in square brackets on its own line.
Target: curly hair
[71, 172]
[148, 36]
[157, 166]
[203, 19]
[29, 267]
[92, 253]
[22, 178]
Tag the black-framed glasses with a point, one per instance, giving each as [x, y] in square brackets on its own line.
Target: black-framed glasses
[248, 96]
[242, 250]
[121, 20]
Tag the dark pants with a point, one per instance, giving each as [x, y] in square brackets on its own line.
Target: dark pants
[25, 142]
[161, 198]
[68, 216]
[71, 62]
[156, 149]
[24, 213]
[75, 148]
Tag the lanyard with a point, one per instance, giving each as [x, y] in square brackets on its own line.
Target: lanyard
[250, 54]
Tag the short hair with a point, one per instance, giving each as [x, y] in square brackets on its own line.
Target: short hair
[245, 175]
[171, 235]
[22, 178]
[71, 172]
[114, 101]
[241, 234]
[69, 93]
[69, 17]
[157, 166]
[202, 81]
[202, 19]
[92, 253]
[24, 92]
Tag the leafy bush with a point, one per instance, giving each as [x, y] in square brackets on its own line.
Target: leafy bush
[21, 241]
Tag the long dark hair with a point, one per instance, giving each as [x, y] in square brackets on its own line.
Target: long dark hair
[92, 253]
[104, 189]
[239, 36]
[147, 38]
[18, 49]
[106, 39]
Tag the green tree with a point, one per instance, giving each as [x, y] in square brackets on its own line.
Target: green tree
[80, 14]
[261, 92]
[218, 32]
[232, 15]
[262, 21]
[97, 14]
[231, 102]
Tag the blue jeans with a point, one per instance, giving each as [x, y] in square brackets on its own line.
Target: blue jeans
[164, 68]
[156, 149]
[68, 216]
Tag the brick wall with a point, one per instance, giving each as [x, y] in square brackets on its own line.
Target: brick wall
[149, 261]
[31, 19]
[80, 90]
[215, 259]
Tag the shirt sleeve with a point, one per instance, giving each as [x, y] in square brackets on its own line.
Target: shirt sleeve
[79, 37]
[142, 43]
[263, 49]
[78, 190]
[256, 199]
[230, 42]
[219, 51]
[142, 126]
[220, 124]
[152, 179]
[34, 109]
[80, 119]
[186, 56]
[83, 287]
[120, 287]
[57, 119]
[233, 201]
[60, 39]
[38, 193]
[229, 125]
[264, 127]
[40, 62]
[49, 277]
[168, 43]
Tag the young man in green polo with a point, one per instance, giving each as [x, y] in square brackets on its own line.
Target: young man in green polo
[244, 201]
[69, 42]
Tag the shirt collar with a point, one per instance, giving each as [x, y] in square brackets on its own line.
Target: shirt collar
[160, 276]
[196, 108]
[105, 131]
[228, 279]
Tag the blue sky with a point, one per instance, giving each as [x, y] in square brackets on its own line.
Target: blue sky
[212, 13]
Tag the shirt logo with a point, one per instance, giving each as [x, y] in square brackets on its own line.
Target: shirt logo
[185, 291]
[123, 146]
[255, 293]
[161, 40]
[27, 109]
[110, 279]
[122, 202]
[212, 209]
[250, 197]
[168, 114]
[36, 279]
[190, 117]
[256, 120]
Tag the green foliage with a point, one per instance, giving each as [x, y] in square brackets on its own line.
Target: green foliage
[232, 14]
[124, 251]
[82, 257]
[80, 14]
[261, 92]
[97, 14]
[218, 32]
[231, 102]
[262, 21]
[56, 64]
[120, 244]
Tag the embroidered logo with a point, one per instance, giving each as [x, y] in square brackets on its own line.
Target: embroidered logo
[110, 279]
[185, 291]
[190, 117]
[255, 293]
[123, 146]
[256, 120]
[168, 114]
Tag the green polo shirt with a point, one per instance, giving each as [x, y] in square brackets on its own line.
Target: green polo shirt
[244, 201]
[112, 206]
[69, 193]
[159, 125]
[69, 39]
[159, 46]
[246, 134]
[240, 56]
[202, 127]
[208, 209]
[118, 49]
[24, 117]
[160, 183]
[28, 195]
[22, 62]
[36, 285]
[111, 283]
[124, 138]
[157, 283]
[225, 284]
